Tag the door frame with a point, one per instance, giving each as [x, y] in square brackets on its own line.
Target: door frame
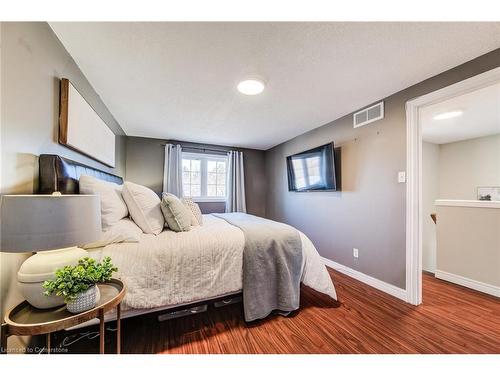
[414, 173]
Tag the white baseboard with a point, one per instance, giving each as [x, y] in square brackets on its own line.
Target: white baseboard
[469, 283]
[369, 280]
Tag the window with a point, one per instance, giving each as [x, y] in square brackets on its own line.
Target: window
[307, 171]
[204, 176]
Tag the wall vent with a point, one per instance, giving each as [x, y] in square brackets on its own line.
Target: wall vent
[368, 115]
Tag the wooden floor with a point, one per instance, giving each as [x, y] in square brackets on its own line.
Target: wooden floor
[452, 319]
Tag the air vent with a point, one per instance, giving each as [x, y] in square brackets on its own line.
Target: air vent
[368, 115]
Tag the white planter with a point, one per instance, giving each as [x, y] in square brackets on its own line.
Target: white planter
[85, 300]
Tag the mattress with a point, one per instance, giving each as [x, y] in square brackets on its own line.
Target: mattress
[175, 268]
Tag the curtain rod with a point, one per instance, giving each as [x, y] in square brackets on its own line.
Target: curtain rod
[204, 149]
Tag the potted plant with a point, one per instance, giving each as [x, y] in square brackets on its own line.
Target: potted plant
[77, 284]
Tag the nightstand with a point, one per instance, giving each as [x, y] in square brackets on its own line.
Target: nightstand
[25, 319]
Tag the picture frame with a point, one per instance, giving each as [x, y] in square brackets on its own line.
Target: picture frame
[82, 129]
[488, 193]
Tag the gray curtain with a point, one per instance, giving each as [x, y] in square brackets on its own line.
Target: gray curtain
[172, 170]
[236, 183]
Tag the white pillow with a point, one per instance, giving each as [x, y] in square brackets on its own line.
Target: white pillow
[144, 207]
[196, 216]
[123, 231]
[113, 207]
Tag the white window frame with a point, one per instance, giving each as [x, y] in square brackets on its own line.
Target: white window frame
[203, 170]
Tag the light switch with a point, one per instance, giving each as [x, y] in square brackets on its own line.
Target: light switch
[401, 177]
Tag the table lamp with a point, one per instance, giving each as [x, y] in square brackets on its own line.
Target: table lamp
[52, 226]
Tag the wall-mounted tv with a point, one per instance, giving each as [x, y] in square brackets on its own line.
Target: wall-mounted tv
[314, 170]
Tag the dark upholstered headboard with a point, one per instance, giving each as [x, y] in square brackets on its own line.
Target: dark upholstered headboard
[61, 174]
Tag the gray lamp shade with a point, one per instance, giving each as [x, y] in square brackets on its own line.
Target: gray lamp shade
[48, 222]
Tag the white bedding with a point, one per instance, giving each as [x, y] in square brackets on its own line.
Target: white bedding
[175, 268]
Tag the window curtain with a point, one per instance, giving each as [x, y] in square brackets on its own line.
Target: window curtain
[236, 183]
[172, 170]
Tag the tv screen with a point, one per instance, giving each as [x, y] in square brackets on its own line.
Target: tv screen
[312, 170]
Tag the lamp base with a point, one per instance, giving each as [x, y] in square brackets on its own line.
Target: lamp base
[42, 266]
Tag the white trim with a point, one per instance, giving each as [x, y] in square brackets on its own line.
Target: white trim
[369, 280]
[413, 206]
[467, 203]
[468, 283]
[208, 199]
[414, 173]
[463, 87]
[199, 156]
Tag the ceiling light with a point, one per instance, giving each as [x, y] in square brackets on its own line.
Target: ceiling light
[251, 87]
[447, 115]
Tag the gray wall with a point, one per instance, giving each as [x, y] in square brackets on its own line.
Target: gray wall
[32, 62]
[144, 165]
[369, 212]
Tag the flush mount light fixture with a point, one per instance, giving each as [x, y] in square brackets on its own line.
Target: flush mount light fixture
[447, 115]
[251, 87]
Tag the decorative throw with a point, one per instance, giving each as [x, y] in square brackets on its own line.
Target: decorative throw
[196, 216]
[272, 265]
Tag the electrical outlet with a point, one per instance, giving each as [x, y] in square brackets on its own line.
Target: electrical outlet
[402, 177]
[355, 252]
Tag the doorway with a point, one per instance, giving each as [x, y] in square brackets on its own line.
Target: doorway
[416, 111]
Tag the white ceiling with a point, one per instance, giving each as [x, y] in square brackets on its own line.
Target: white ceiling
[178, 80]
[481, 117]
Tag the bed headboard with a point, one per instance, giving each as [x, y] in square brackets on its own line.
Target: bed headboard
[60, 174]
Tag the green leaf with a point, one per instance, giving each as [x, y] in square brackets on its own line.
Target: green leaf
[71, 280]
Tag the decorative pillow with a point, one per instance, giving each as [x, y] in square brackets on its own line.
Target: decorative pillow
[144, 207]
[113, 207]
[177, 215]
[123, 231]
[196, 216]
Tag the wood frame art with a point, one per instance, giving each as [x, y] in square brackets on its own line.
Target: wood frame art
[82, 129]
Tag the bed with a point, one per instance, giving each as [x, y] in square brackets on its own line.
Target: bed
[177, 273]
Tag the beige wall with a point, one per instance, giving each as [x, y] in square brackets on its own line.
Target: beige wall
[430, 192]
[454, 171]
[469, 243]
[369, 213]
[145, 158]
[468, 164]
[32, 62]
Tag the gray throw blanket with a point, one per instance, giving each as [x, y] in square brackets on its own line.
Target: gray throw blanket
[272, 264]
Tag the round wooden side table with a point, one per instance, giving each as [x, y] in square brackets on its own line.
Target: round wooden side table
[25, 319]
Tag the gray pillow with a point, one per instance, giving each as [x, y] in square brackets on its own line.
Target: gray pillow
[177, 215]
